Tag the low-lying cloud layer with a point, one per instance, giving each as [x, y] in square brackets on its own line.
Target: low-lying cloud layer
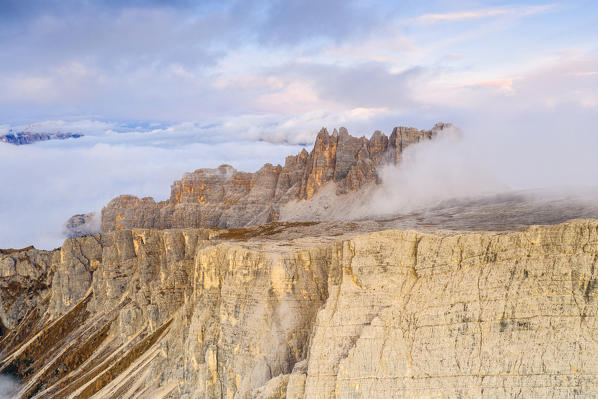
[8, 387]
[46, 183]
[49, 182]
[484, 162]
[161, 88]
[543, 166]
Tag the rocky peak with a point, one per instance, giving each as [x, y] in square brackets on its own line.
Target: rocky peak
[225, 197]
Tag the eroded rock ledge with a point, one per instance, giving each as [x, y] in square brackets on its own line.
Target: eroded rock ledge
[225, 197]
[303, 310]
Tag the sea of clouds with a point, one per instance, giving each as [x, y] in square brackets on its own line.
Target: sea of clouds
[487, 160]
[45, 183]
[545, 162]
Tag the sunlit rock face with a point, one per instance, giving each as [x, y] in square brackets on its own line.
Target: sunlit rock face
[225, 197]
[25, 276]
[305, 310]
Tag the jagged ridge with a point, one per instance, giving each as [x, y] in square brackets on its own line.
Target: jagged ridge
[225, 197]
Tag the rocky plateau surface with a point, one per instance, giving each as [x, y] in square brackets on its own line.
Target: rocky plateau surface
[305, 310]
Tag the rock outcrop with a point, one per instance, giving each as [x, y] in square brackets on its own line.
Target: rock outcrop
[23, 138]
[25, 276]
[225, 197]
[303, 310]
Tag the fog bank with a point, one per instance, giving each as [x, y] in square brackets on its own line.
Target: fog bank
[44, 184]
[533, 169]
[480, 163]
[8, 387]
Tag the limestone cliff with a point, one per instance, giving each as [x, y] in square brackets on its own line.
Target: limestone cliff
[225, 197]
[304, 310]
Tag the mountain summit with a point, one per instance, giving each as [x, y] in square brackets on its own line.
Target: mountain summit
[226, 197]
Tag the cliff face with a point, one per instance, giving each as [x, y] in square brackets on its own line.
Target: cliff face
[225, 197]
[305, 311]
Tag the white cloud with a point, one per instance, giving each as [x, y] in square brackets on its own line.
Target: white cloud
[583, 74]
[84, 126]
[8, 387]
[504, 85]
[35, 89]
[51, 181]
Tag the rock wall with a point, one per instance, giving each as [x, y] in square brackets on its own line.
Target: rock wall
[305, 311]
[225, 197]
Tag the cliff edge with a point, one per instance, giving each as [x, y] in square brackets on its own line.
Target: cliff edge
[305, 310]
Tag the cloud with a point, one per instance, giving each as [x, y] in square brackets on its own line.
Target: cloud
[84, 126]
[76, 58]
[459, 16]
[199, 61]
[582, 74]
[368, 85]
[50, 181]
[293, 21]
[487, 160]
[549, 179]
[528, 97]
[8, 387]
[272, 128]
[119, 36]
[503, 85]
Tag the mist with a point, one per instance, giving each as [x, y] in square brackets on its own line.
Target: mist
[476, 163]
[8, 387]
[44, 184]
[507, 166]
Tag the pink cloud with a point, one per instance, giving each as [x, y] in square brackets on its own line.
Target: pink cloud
[483, 13]
[502, 85]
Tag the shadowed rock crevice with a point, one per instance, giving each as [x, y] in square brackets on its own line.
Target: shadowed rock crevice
[3, 330]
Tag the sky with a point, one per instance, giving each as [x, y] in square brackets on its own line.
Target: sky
[164, 87]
